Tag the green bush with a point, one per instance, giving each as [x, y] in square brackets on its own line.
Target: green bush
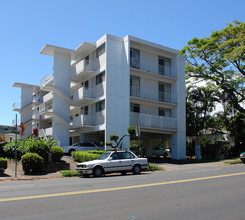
[3, 164]
[69, 173]
[82, 156]
[32, 163]
[29, 145]
[152, 167]
[57, 153]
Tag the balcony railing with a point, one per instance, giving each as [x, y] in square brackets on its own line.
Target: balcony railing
[46, 80]
[153, 121]
[83, 120]
[16, 106]
[150, 65]
[158, 97]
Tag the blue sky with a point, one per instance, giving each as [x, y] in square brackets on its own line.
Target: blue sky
[27, 25]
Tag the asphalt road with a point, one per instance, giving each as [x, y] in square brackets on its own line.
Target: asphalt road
[201, 193]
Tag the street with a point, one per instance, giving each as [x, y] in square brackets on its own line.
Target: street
[200, 193]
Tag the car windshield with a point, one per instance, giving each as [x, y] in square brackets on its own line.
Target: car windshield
[103, 156]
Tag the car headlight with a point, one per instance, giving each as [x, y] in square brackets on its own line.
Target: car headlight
[81, 166]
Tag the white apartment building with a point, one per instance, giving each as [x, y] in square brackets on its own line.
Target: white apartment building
[100, 89]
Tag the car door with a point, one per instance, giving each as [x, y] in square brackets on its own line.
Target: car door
[115, 163]
[127, 160]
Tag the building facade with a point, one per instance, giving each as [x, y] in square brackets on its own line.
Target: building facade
[100, 89]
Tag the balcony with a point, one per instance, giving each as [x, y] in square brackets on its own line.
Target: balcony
[82, 121]
[148, 67]
[16, 106]
[148, 121]
[36, 100]
[83, 70]
[83, 96]
[160, 97]
[46, 81]
[36, 116]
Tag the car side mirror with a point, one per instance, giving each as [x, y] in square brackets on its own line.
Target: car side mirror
[110, 159]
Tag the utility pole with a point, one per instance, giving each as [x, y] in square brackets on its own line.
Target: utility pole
[16, 146]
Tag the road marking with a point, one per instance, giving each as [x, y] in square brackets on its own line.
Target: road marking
[116, 188]
[16, 186]
[199, 171]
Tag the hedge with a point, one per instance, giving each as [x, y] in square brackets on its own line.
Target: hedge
[82, 156]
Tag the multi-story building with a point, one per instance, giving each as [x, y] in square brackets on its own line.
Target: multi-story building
[102, 88]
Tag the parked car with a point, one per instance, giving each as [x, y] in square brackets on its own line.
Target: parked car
[242, 157]
[82, 147]
[160, 151]
[113, 161]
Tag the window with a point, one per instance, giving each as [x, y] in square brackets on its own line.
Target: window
[135, 58]
[164, 92]
[100, 78]
[134, 107]
[85, 110]
[164, 112]
[86, 60]
[86, 84]
[100, 106]
[164, 66]
[135, 86]
[100, 50]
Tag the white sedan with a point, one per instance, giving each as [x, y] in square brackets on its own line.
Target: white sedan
[82, 147]
[113, 161]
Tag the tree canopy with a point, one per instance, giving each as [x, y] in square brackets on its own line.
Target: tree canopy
[220, 60]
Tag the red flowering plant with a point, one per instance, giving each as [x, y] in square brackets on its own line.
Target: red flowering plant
[35, 132]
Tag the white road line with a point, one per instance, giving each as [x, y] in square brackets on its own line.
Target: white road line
[16, 186]
[199, 171]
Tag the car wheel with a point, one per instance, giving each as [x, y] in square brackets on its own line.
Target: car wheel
[136, 169]
[70, 152]
[98, 171]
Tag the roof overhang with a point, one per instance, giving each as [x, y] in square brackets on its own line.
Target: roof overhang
[51, 50]
[20, 85]
[81, 51]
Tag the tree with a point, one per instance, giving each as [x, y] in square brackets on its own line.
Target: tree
[200, 102]
[220, 60]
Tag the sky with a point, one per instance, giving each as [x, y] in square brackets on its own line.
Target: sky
[27, 25]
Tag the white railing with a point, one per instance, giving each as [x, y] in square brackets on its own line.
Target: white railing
[45, 80]
[159, 97]
[82, 93]
[84, 65]
[36, 116]
[153, 121]
[150, 65]
[83, 120]
[16, 105]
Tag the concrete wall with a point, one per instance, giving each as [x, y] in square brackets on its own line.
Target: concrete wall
[117, 88]
[178, 140]
[60, 105]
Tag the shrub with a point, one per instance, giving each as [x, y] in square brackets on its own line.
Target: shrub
[152, 167]
[40, 147]
[3, 164]
[57, 153]
[82, 156]
[69, 173]
[32, 163]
